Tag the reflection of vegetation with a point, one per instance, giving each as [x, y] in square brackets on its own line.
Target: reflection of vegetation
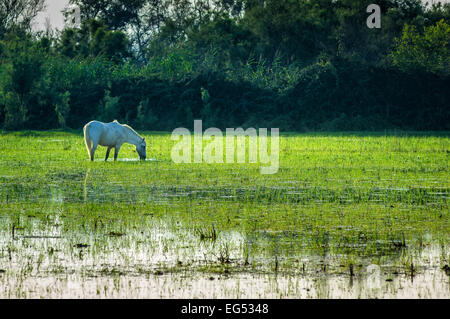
[297, 65]
[206, 233]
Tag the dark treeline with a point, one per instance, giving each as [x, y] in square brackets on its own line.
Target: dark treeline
[294, 64]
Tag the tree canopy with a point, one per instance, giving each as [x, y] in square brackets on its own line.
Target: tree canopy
[293, 64]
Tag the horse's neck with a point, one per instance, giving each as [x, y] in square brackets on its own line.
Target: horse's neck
[132, 137]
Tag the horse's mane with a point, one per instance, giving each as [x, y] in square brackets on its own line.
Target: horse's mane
[131, 129]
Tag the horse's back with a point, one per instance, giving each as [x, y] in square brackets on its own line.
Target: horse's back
[95, 124]
[106, 134]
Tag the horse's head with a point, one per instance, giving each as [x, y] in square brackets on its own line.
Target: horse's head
[140, 148]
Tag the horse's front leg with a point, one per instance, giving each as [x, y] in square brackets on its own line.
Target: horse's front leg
[107, 153]
[116, 151]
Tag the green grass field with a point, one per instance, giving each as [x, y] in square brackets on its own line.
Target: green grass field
[339, 203]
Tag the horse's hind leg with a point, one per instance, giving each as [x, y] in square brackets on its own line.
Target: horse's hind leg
[94, 147]
[88, 141]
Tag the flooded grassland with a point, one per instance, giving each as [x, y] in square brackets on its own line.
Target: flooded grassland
[346, 216]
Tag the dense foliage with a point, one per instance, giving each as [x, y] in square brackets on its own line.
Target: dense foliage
[293, 64]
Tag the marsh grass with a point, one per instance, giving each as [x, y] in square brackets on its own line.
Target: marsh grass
[339, 203]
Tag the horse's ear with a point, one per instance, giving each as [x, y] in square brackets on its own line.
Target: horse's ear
[143, 139]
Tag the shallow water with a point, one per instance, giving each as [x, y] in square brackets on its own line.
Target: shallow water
[170, 261]
[334, 222]
[96, 186]
[119, 159]
[242, 285]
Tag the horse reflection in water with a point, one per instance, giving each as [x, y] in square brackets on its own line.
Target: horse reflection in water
[112, 135]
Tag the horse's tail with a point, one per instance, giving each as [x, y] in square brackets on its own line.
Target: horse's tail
[87, 139]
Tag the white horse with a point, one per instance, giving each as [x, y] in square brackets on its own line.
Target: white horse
[112, 135]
